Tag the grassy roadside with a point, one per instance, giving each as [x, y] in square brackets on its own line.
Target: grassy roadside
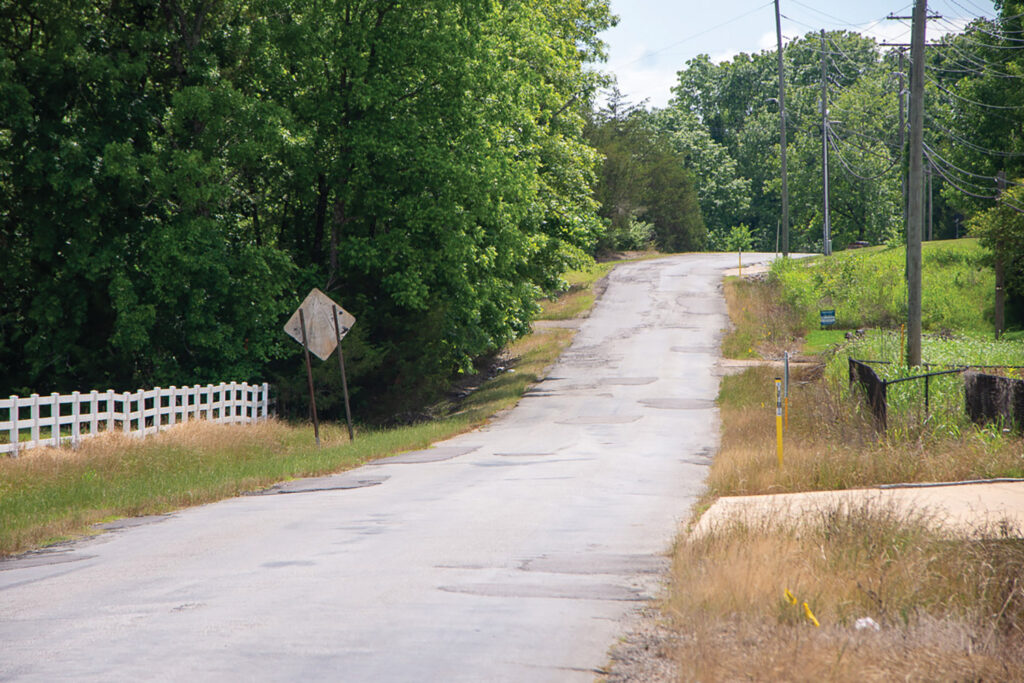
[580, 294]
[941, 607]
[49, 495]
[582, 287]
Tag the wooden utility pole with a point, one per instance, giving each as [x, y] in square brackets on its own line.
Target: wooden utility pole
[902, 136]
[782, 136]
[826, 228]
[1000, 312]
[915, 185]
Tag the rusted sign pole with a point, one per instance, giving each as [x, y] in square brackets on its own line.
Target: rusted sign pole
[310, 326]
[341, 364]
[309, 375]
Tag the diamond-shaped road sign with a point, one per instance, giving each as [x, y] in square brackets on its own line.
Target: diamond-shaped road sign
[321, 336]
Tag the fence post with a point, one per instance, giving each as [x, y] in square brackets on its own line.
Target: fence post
[174, 406]
[246, 402]
[94, 418]
[926, 380]
[142, 412]
[15, 433]
[158, 408]
[885, 405]
[55, 417]
[34, 433]
[126, 415]
[76, 414]
[266, 401]
[110, 410]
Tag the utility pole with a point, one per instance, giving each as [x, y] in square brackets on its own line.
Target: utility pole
[826, 221]
[915, 189]
[902, 131]
[902, 152]
[782, 136]
[1000, 313]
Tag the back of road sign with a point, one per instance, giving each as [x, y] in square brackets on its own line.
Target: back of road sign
[320, 333]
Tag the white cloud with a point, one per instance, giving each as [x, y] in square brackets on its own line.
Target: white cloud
[652, 84]
[725, 56]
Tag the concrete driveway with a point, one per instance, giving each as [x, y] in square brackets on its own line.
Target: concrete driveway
[508, 554]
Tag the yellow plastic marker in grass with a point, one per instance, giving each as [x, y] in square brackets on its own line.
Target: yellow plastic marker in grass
[810, 615]
[791, 599]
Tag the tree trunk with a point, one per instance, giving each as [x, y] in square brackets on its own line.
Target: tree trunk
[320, 217]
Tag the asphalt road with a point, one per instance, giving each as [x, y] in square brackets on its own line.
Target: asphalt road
[511, 553]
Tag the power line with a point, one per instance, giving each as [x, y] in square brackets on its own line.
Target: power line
[970, 145]
[936, 155]
[953, 183]
[867, 137]
[964, 35]
[971, 72]
[978, 24]
[647, 55]
[969, 57]
[832, 138]
[969, 100]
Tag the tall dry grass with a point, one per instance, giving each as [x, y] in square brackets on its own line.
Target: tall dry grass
[761, 324]
[948, 609]
[832, 443]
[945, 609]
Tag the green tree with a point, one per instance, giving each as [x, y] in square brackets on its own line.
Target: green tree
[1001, 230]
[723, 194]
[176, 174]
[643, 181]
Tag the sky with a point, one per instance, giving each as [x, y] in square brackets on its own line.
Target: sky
[655, 38]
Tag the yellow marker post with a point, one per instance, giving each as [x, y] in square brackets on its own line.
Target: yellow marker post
[778, 417]
[785, 393]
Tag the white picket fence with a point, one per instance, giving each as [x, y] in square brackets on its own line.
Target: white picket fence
[59, 419]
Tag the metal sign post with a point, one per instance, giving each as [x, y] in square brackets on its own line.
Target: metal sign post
[309, 376]
[341, 363]
[785, 391]
[319, 325]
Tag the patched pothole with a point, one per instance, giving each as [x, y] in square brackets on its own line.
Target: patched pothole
[678, 403]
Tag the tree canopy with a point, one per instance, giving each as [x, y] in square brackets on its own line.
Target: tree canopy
[176, 174]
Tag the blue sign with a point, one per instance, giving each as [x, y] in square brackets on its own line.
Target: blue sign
[828, 318]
